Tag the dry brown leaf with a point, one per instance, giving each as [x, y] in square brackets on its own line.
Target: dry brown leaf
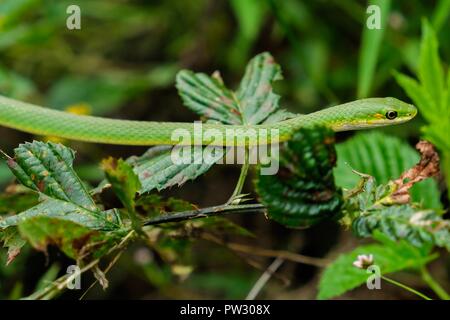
[427, 167]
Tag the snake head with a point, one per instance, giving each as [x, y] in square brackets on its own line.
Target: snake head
[371, 113]
[390, 111]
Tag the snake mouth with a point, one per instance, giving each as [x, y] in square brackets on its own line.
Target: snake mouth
[373, 123]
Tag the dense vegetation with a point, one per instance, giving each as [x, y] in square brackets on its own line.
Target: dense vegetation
[139, 226]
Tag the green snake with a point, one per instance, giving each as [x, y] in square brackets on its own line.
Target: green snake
[359, 114]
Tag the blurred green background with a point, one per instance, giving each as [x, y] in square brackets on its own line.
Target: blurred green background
[122, 64]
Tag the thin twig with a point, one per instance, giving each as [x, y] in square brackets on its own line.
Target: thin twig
[206, 212]
[259, 285]
[62, 282]
[286, 255]
[110, 265]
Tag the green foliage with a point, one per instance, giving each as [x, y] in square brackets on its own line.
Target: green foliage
[156, 170]
[14, 85]
[46, 168]
[370, 48]
[431, 94]
[303, 192]
[127, 73]
[390, 256]
[250, 16]
[385, 158]
[421, 228]
[441, 13]
[108, 92]
[154, 204]
[13, 242]
[371, 208]
[253, 103]
[17, 201]
[123, 180]
[73, 239]
[125, 184]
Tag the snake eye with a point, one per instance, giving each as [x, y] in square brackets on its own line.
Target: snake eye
[391, 115]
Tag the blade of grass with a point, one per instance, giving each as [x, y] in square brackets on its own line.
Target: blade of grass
[370, 47]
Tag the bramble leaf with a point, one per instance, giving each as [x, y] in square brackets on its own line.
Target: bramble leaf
[156, 170]
[421, 228]
[254, 103]
[47, 169]
[208, 96]
[71, 238]
[303, 192]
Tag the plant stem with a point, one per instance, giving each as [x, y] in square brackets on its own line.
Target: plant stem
[206, 212]
[440, 292]
[403, 286]
[243, 174]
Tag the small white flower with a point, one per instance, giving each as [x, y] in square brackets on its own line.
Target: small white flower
[363, 261]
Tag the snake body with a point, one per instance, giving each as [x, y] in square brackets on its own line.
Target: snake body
[359, 114]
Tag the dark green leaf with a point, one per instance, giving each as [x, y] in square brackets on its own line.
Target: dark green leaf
[156, 170]
[208, 97]
[421, 228]
[303, 192]
[71, 238]
[47, 169]
[253, 103]
[123, 180]
[341, 276]
[13, 242]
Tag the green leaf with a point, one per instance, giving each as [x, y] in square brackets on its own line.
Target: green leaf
[58, 209]
[253, 103]
[370, 48]
[71, 238]
[257, 101]
[154, 205]
[123, 180]
[47, 169]
[125, 184]
[13, 203]
[385, 158]
[303, 192]
[156, 170]
[419, 96]
[421, 228]
[341, 276]
[48, 277]
[208, 96]
[431, 73]
[440, 14]
[431, 95]
[250, 15]
[13, 242]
